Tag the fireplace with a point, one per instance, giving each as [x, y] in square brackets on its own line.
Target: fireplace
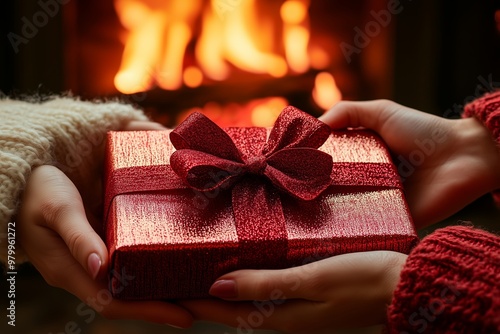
[238, 61]
[430, 56]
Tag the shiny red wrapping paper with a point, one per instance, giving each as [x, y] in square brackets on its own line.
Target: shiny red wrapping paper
[174, 229]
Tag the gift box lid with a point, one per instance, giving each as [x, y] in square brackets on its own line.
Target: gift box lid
[162, 230]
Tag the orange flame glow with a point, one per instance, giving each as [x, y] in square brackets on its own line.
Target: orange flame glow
[296, 34]
[326, 92]
[258, 112]
[161, 34]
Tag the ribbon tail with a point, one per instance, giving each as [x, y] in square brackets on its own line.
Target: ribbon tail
[260, 225]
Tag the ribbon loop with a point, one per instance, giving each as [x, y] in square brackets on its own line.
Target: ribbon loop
[199, 133]
[294, 128]
[298, 167]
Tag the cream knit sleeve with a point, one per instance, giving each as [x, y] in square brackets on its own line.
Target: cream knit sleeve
[60, 132]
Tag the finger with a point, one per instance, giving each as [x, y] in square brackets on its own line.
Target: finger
[48, 252]
[97, 296]
[143, 126]
[267, 284]
[367, 114]
[58, 205]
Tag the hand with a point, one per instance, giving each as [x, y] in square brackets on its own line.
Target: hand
[350, 290]
[445, 164]
[54, 231]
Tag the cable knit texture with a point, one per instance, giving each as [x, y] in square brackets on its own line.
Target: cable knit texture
[487, 110]
[450, 284]
[61, 132]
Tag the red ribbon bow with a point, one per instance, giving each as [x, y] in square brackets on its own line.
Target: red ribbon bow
[207, 158]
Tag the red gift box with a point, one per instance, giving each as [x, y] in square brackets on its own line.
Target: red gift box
[186, 206]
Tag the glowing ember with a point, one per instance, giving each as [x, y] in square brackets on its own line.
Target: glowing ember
[319, 58]
[326, 92]
[258, 112]
[294, 11]
[193, 77]
[296, 34]
[267, 110]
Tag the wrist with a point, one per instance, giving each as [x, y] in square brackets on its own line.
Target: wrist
[476, 142]
[394, 274]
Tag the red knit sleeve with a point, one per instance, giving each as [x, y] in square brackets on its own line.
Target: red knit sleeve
[450, 284]
[487, 110]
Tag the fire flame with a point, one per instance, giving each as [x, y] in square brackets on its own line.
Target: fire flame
[325, 92]
[233, 35]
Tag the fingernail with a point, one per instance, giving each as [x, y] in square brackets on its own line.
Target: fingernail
[225, 289]
[94, 264]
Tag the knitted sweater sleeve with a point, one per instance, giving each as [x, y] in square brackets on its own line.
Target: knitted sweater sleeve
[487, 110]
[450, 284]
[61, 132]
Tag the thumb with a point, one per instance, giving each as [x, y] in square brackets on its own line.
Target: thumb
[58, 205]
[367, 114]
[264, 284]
